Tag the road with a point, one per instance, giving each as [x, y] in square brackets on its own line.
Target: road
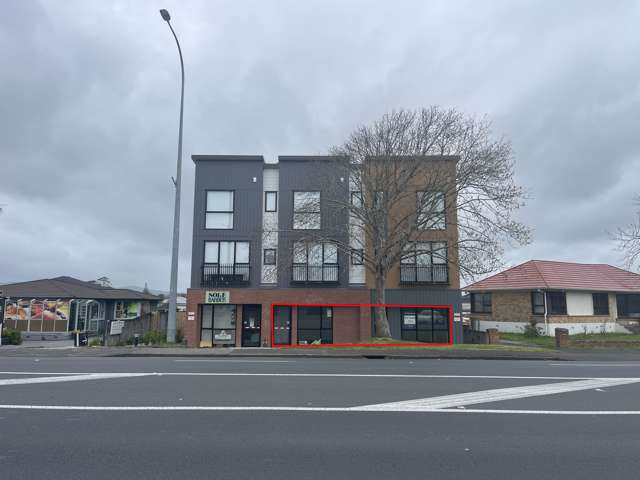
[191, 418]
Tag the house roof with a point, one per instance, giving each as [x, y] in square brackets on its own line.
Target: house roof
[69, 287]
[551, 275]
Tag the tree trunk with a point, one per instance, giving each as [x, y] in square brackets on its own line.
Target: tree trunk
[382, 324]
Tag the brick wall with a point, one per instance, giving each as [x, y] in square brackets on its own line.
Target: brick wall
[515, 306]
[265, 297]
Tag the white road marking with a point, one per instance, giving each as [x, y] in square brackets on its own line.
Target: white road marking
[69, 378]
[222, 360]
[346, 375]
[154, 408]
[595, 364]
[499, 394]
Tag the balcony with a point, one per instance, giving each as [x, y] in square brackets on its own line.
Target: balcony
[423, 274]
[232, 275]
[303, 274]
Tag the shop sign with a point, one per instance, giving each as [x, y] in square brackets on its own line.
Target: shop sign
[222, 336]
[409, 319]
[116, 327]
[216, 296]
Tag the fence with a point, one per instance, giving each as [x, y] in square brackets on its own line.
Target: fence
[146, 322]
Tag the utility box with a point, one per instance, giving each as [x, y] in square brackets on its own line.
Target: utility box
[562, 337]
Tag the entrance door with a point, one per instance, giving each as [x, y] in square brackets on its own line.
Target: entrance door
[282, 325]
[251, 316]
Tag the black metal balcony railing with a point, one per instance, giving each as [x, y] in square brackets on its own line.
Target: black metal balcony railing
[303, 274]
[424, 274]
[216, 275]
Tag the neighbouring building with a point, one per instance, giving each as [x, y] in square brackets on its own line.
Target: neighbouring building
[53, 307]
[255, 282]
[584, 298]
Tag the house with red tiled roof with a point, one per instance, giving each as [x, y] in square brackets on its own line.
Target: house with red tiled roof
[584, 298]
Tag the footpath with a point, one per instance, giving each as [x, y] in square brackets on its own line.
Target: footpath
[467, 352]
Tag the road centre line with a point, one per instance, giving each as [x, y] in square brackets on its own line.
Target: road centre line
[499, 394]
[182, 408]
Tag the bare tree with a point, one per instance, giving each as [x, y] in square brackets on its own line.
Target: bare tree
[628, 239]
[403, 169]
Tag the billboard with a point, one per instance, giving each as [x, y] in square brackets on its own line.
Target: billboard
[37, 315]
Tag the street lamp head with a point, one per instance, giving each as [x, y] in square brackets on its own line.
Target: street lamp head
[165, 15]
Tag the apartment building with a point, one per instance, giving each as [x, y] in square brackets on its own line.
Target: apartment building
[258, 277]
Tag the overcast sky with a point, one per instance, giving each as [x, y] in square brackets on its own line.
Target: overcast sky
[89, 99]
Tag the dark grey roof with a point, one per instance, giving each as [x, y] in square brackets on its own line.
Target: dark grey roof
[309, 158]
[452, 158]
[228, 158]
[69, 287]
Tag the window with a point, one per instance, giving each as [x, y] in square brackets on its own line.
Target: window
[481, 303]
[270, 201]
[269, 256]
[306, 210]
[357, 256]
[356, 199]
[431, 211]
[315, 325]
[537, 303]
[219, 209]
[226, 253]
[315, 262]
[430, 325]
[424, 262]
[125, 309]
[218, 325]
[315, 253]
[601, 304]
[556, 303]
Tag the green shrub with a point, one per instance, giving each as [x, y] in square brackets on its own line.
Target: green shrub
[531, 330]
[95, 342]
[154, 337]
[11, 336]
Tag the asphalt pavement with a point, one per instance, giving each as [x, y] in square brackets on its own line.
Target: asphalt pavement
[78, 417]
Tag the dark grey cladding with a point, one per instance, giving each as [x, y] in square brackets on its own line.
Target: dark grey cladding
[229, 172]
[311, 173]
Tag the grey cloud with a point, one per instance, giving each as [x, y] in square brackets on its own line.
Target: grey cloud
[89, 104]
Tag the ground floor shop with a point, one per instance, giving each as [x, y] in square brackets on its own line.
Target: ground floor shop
[285, 317]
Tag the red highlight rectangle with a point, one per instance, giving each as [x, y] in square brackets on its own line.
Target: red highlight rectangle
[369, 305]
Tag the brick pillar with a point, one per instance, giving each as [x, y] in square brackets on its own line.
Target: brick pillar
[191, 328]
[365, 323]
[294, 325]
[265, 325]
[238, 325]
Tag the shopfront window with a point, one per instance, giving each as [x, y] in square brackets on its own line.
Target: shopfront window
[428, 325]
[218, 325]
[315, 325]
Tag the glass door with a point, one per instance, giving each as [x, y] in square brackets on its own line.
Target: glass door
[282, 325]
[251, 325]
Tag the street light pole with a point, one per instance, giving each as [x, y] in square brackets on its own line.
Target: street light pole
[173, 288]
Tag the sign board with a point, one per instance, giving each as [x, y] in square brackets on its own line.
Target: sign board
[457, 317]
[191, 315]
[116, 327]
[409, 318]
[216, 296]
[222, 336]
